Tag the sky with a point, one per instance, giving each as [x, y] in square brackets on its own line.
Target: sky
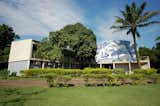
[36, 18]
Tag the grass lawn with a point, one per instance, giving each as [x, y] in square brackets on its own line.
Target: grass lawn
[144, 95]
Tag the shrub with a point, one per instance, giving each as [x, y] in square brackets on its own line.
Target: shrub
[97, 71]
[154, 78]
[138, 79]
[94, 76]
[4, 74]
[51, 79]
[65, 79]
[13, 74]
[149, 71]
[110, 80]
[58, 71]
[70, 72]
[119, 71]
[86, 79]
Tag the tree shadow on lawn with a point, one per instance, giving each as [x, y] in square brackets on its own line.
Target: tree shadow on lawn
[17, 96]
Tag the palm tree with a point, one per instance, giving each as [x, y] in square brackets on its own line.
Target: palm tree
[133, 18]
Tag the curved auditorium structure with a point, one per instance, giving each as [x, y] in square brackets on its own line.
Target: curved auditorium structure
[119, 54]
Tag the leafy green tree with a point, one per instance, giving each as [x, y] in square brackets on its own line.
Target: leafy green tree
[43, 47]
[7, 35]
[73, 41]
[77, 39]
[47, 51]
[133, 18]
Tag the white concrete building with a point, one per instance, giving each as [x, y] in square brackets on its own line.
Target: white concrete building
[20, 55]
[110, 54]
[23, 56]
[119, 54]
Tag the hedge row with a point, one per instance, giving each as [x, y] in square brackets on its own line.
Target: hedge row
[60, 71]
[79, 72]
[94, 76]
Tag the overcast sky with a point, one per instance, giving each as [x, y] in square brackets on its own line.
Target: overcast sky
[36, 18]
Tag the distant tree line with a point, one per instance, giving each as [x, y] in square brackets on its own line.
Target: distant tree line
[153, 53]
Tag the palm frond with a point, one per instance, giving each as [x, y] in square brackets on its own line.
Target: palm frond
[147, 16]
[128, 9]
[120, 27]
[148, 23]
[129, 31]
[133, 5]
[134, 15]
[138, 34]
[121, 21]
[123, 13]
[141, 9]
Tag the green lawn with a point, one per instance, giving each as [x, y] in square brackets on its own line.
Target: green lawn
[144, 95]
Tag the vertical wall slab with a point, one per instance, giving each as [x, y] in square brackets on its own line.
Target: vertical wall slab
[20, 55]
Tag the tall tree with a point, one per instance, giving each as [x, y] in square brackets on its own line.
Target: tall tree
[73, 41]
[133, 18]
[7, 35]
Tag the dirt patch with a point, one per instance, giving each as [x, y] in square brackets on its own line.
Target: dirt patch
[43, 83]
[23, 83]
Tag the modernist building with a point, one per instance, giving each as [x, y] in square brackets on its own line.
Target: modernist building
[119, 54]
[110, 54]
[20, 55]
[23, 56]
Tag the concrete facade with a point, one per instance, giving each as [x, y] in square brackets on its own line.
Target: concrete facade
[18, 66]
[23, 56]
[21, 50]
[119, 54]
[20, 55]
[111, 54]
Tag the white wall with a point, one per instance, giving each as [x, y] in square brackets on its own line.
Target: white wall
[18, 66]
[20, 50]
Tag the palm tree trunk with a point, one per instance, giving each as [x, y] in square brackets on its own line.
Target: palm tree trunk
[136, 51]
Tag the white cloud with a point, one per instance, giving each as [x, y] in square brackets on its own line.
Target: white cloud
[39, 17]
[104, 24]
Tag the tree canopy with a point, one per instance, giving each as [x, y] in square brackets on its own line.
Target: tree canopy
[7, 35]
[74, 41]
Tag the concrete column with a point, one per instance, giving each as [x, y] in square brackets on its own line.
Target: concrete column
[149, 66]
[28, 66]
[100, 65]
[114, 65]
[43, 64]
[129, 67]
[54, 65]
